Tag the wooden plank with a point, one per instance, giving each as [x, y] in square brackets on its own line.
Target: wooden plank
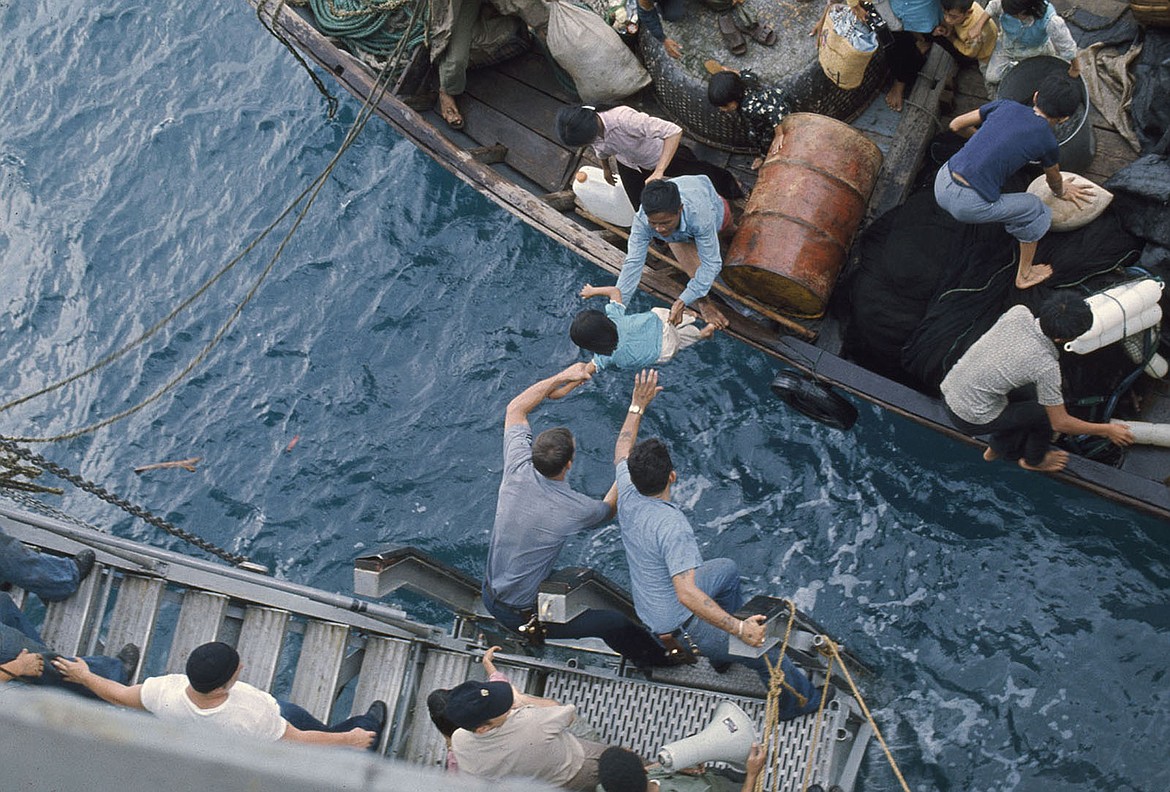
[384, 666]
[425, 745]
[534, 71]
[527, 107]
[200, 619]
[539, 159]
[319, 667]
[134, 616]
[261, 639]
[67, 624]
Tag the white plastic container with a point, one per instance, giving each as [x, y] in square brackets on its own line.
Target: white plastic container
[1157, 367]
[1149, 433]
[608, 202]
[1119, 312]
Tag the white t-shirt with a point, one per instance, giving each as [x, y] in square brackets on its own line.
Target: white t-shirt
[247, 711]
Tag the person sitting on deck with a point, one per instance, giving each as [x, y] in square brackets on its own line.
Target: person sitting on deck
[672, 11]
[762, 109]
[645, 148]
[24, 655]
[623, 771]
[1008, 385]
[496, 740]
[955, 33]
[210, 692]
[536, 512]
[437, 705]
[1010, 135]
[687, 601]
[689, 215]
[1027, 28]
[52, 578]
[631, 341]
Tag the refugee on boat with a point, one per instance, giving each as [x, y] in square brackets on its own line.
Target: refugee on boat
[451, 54]
[631, 341]
[437, 705]
[1008, 136]
[761, 108]
[497, 740]
[687, 601]
[648, 16]
[956, 33]
[623, 771]
[25, 657]
[211, 693]
[52, 578]
[1027, 28]
[981, 390]
[907, 48]
[536, 512]
[645, 148]
[689, 215]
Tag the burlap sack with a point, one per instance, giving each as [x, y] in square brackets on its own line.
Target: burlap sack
[1066, 216]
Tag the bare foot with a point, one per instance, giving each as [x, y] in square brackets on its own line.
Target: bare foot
[714, 316]
[707, 331]
[1052, 462]
[1037, 273]
[989, 454]
[450, 111]
[895, 96]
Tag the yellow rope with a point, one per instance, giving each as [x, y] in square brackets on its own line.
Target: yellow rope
[834, 652]
[812, 746]
[776, 686]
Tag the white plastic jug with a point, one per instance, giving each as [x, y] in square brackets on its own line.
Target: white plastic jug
[608, 202]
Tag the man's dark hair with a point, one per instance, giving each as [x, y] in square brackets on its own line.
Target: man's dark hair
[661, 195]
[650, 466]
[577, 126]
[1064, 316]
[552, 450]
[437, 707]
[620, 770]
[725, 87]
[1033, 8]
[594, 332]
[957, 5]
[1058, 96]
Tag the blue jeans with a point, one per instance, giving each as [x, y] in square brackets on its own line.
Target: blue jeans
[49, 577]
[1024, 215]
[719, 579]
[303, 720]
[16, 633]
[621, 634]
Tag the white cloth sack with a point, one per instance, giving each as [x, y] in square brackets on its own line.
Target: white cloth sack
[1066, 216]
[602, 67]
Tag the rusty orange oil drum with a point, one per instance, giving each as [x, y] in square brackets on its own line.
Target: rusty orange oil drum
[808, 202]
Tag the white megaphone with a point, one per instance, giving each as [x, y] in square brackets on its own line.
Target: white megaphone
[727, 738]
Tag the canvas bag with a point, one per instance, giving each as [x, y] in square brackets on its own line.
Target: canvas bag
[602, 67]
[840, 60]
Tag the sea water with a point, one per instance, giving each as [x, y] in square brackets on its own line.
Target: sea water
[1019, 628]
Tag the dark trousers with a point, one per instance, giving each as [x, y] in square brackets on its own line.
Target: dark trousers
[302, 719]
[626, 637]
[1021, 430]
[684, 163]
[904, 57]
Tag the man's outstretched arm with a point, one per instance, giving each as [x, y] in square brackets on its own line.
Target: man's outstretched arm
[645, 389]
[555, 386]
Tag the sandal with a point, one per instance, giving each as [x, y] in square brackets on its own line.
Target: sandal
[731, 36]
[746, 21]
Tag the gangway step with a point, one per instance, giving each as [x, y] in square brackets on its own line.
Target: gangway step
[261, 639]
[315, 685]
[200, 621]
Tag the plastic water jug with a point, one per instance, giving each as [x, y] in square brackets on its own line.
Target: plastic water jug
[608, 202]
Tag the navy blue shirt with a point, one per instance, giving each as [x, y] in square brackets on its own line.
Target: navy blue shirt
[1010, 137]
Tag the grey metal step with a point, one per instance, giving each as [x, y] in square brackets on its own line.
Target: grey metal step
[384, 666]
[424, 743]
[261, 639]
[200, 620]
[315, 684]
[134, 615]
[66, 622]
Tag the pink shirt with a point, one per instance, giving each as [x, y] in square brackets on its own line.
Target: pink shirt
[634, 138]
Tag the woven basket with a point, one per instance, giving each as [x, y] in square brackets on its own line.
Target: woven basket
[1155, 13]
[841, 62]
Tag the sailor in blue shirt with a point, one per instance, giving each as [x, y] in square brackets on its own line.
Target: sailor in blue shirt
[687, 213]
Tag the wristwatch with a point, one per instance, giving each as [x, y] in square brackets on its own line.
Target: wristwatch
[635, 409]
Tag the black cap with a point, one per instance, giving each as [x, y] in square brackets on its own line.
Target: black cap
[473, 704]
[211, 665]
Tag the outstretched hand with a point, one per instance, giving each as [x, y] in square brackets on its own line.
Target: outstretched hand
[27, 664]
[1079, 194]
[71, 669]
[646, 387]
[1120, 434]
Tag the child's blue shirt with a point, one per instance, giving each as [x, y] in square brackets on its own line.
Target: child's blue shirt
[639, 339]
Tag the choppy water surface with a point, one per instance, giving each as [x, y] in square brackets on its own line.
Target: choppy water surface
[1020, 628]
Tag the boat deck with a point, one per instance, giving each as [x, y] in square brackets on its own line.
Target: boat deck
[335, 654]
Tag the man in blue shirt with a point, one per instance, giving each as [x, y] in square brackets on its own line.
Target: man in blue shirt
[688, 214]
[1010, 135]
[536, 512]
[688, 602]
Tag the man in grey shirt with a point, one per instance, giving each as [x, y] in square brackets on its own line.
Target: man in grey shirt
[1008, 385]
[536, 513]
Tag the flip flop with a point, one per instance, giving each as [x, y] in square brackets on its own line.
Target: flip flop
[731, 36]
[747, 22]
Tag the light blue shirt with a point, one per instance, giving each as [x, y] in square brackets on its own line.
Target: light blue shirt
[639, 339]
[702, 215]
[659, 544]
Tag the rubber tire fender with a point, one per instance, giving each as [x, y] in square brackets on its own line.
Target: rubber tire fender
[814, 400]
